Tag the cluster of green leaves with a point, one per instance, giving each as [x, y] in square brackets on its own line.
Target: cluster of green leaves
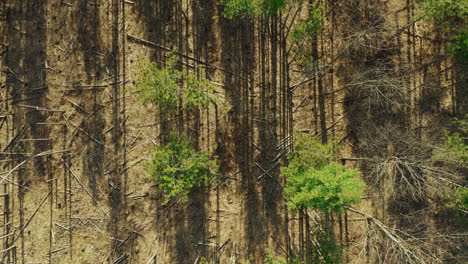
[328, 251]
[162, 86]
[315, 181]
[453, 153]
[233, 8]
[177, 168]
[459, 44]
[329, 188]
[454, 150]
[306, 32]
[445, 11]
[453, 14]
[252, 8]
[459, 200]
[271, 258]
[309, 28]
[309, 152]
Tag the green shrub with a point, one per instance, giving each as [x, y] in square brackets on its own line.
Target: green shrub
[451, 14]
[329, 188]
[271, 258]
[459, 44]
[163, 87]
[233, 8]
[305, 33]
[252, 8]
[328, 251]
[454, 150]
[177, 168]
[314, 181]
[452, 156]
[309, 152]
[459, 200]
[444, 11]
[309, 28]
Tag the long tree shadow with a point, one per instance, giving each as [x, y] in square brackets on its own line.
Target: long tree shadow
[237, 57]
[26, 84]
[270, 158]
[89, 24]
[26, 78]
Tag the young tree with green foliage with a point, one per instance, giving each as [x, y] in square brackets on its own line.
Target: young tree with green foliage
[453, 15]
[454, 149]
[177, 167]
[453, 155]
[329, 188]
[252, 8]
[315, 181]
[162, 86]
[305, 33]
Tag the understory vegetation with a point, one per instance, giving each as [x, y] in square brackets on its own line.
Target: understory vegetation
[177, 166]
[453, 16]
[314, 179]
[163, 87]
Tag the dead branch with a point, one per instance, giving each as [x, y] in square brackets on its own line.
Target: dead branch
[410, 256]
[46, 153]
[31, 217]
[86, 189]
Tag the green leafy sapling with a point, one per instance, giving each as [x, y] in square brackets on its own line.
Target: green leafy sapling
[453, 15]
[162, 86]
[252, 8]
[329, 188]
[454, 149]
[315, 181]
[304, 35]
[233, 8]
[310, 27]
[177, 167]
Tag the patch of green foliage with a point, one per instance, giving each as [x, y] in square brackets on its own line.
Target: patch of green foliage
[309, 28]
[233, 8]
[306, 32]
[445, 11]
[455, 204]
[271, 258]
[452, 14]
[162, 86]
[459, 200]
[315, 181]
[273, 6]
[454, 150]
[252, 8]
[309, 152]
[459, 44]
[453, 154]
[329, 252]
[329, 188]
[178, 167]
